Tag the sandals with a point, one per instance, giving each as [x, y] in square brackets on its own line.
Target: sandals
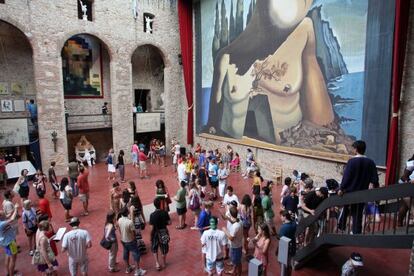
[181, 227]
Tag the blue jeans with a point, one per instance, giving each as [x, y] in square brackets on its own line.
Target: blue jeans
[75, 190]
[133, 248]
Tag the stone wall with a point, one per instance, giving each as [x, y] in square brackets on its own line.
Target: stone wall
[16, 66]
[148, 73]
[48, 24]
[407, 103]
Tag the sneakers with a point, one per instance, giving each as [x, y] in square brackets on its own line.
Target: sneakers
[129, 269]
[31, 252]
[140, 272]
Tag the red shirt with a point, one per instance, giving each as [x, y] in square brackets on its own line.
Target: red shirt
[44, 207]
[2, 165]
[83, 183]
[142, 156]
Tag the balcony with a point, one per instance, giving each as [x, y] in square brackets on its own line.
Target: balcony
[88, 121]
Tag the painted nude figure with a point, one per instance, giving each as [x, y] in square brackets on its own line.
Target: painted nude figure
[283, 67]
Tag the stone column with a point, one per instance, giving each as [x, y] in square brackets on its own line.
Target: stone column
[50, 101]
[121, 100]
[175, 106]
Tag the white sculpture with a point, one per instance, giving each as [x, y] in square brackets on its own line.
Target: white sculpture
[84, 8]
[148, 22]
[135, 9]
[162, 101]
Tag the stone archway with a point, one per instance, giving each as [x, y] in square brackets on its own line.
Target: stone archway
[17, 90]
[86, 88]
[148, 88]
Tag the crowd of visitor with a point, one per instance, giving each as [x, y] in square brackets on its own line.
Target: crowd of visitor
[203, 187]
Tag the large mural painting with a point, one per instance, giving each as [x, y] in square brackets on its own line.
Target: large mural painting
[298, 76]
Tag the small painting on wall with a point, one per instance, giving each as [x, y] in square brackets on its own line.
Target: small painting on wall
[19, 105]
[4, 88]
[6, 106]
[17, 88]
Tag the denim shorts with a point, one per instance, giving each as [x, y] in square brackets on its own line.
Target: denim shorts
[218, 264]
[133, 248]
[236, 255]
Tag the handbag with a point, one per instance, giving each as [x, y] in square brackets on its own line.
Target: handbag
[38, 259]
[163, 236]
[105, 243]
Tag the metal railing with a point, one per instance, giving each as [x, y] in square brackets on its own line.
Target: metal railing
[381, 218]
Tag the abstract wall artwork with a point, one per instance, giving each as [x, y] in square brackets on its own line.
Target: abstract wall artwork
[17, 88]
[4, 88]
[82, 67]
[6, 106]
[298, 76]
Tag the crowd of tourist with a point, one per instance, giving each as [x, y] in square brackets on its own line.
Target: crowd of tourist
[203, 187]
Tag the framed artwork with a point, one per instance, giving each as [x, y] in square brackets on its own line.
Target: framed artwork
[82, 67]
[19, 105]
[17, 88]
[6, 106]
[4, 88]
[311, 89]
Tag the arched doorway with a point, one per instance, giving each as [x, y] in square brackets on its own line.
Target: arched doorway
[86, 88]
[18, 113]
[148, 91]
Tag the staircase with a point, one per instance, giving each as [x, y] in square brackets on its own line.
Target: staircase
[387, 231]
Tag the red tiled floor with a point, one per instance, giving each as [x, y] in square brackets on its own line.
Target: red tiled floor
[185, 255]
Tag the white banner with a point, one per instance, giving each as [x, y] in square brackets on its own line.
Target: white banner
[148, 122]
[14, 132]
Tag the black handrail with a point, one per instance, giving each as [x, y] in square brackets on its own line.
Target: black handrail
[385, 193]
[88, 115]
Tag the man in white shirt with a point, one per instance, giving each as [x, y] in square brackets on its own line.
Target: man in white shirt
[235, 235]
[229, 197]
[182, 176]
[75, 243]
[213, 242]
[223, 174]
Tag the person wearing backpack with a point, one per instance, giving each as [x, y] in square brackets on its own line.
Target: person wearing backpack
[66, 197]
[195, 202]
[30, 224]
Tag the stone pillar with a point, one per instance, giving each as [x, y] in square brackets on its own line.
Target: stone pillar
[121, 100]
[50, 101]
[175, 106]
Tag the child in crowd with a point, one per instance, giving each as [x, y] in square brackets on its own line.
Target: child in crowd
[202, 177]
[235, 162]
